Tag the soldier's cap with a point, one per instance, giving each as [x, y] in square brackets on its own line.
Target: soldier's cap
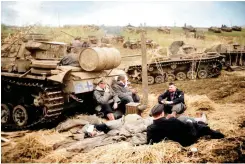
[99, 80]
[157, 110]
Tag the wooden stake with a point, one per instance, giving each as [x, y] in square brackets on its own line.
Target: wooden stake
[144, 70]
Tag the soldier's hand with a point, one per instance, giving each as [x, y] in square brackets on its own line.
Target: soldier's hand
[168, 102]
[133, 90]
[115, 106]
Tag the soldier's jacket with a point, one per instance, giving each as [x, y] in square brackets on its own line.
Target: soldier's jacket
[121, 91]
[104, 96]
[70, 59]
[178, 97]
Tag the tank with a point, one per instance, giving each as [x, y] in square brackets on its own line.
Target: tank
[234, 55]
[164, 30]
[135, 44]
[93, 39]
[189, 28]
[183, 63]
[236, 28]
[119, 39]
[214, 29]
[37, 87]
[131, 43]
[226, 29]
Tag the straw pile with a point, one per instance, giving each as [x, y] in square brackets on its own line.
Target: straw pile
[57, 156]
[196, 103]
[122, 152]
[26, 149]
[224, 150]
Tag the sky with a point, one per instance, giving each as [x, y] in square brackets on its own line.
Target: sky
[119, 13]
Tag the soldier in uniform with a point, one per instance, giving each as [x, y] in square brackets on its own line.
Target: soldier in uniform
[106, 99]
[174, 103]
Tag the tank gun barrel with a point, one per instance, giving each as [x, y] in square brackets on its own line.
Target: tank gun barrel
[128, 56]
[68, 34]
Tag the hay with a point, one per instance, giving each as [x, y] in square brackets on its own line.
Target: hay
[58, 156]
[199, 103]
[27, 149]
[122, 152]
[223, 150]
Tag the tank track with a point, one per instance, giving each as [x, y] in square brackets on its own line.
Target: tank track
[53, 101]
[168, 64]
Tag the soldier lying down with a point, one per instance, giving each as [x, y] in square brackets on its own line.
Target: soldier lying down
[185, 131]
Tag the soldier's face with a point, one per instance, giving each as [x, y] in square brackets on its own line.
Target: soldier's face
[102, 85]
[172, 88]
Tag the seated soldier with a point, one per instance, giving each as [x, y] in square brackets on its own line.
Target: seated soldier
[174, 103]
[186, 133]
[125, 93]
[106, 99]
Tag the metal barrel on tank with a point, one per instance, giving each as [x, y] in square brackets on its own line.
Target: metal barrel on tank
[97, 59]
[113, 57]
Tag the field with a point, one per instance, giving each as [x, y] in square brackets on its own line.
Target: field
[222, 99]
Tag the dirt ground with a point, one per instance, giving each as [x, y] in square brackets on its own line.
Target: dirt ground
[222, 99]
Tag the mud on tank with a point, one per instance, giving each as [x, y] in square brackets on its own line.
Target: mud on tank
[36, 89]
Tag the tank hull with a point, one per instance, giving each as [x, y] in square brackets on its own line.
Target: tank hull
[178, 69]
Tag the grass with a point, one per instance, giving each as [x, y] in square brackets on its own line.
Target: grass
[163, 40]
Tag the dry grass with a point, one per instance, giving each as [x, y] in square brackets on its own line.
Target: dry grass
[26, 149]
[124, 153]
[224, 150]
[32, 146]
[199, 103]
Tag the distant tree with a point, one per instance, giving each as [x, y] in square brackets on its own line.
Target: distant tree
[3, 27]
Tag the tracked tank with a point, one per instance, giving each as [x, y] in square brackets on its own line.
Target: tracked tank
[184, 63]
[234, 55]
[189, 28]
[134, 44]
[236, 28]
[226, 28]
[214, 29]
[40, 80]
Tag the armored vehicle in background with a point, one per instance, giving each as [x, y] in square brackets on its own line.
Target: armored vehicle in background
[182, 64]
[134, 44]
[236, 28]
[189, 28]
[234, 55]
[214, 29]
[39, 80]
[93, 39]
[164, 30]
[131, 43]
[119, 39]
[226, 29]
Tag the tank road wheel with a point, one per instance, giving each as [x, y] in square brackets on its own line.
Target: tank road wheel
[215, 68]
[202, 74]
[151, 80]
[5, 114]
[170, 77]
[159, 79]
[191, 75]
[181, 76]
[150, 68]
[133, 46]
[20, 115]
